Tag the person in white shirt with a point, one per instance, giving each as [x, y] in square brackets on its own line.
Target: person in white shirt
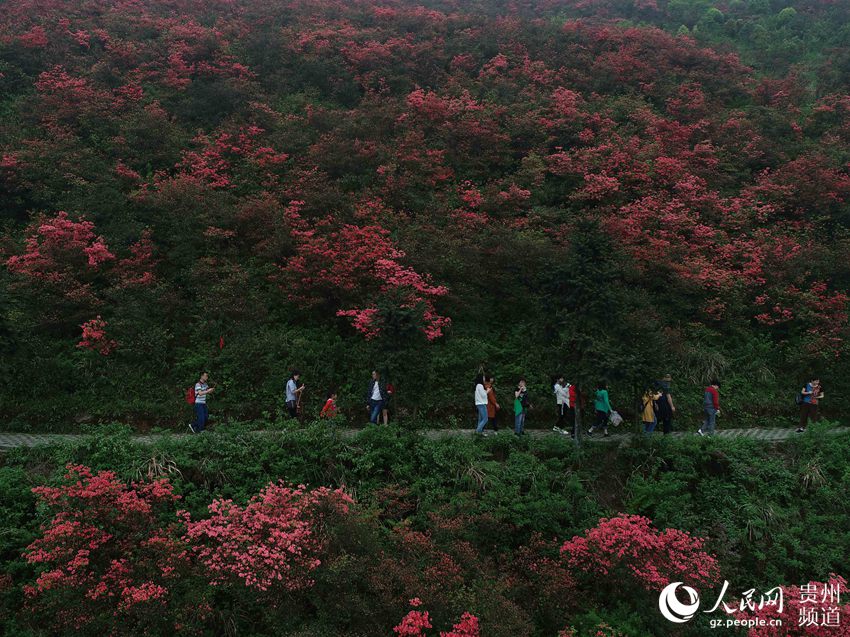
[562, 402]
[376, 397]
[293, 393]
[481, 403]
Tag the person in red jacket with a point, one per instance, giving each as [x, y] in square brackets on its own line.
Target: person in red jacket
[329, 410]
[711, 407]
[492, 404]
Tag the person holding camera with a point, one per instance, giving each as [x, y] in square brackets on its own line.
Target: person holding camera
[521, 405]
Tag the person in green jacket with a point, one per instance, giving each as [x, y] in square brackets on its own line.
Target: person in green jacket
[520, 407]
[603, 408]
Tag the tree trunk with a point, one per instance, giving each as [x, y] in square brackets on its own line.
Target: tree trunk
[577, 423]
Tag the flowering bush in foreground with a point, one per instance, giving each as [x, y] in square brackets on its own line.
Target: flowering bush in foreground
[108, 552]
[629, 545]
[114, 557]
[272, 541]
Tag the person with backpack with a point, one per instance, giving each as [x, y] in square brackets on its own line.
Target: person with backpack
[711, 408]
[666, 410]
[603, 408]
[649, 417]
[521, 406]
[376, 397]
[294, 389]
[811, 395]
[201, 391]
[481, 403]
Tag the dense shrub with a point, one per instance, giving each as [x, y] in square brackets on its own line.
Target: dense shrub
[440, 521]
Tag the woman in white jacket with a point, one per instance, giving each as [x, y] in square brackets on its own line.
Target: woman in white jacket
[480, 403]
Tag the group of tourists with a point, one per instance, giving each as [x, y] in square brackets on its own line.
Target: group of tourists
[656, 404]
[377, 398]
[488, 406]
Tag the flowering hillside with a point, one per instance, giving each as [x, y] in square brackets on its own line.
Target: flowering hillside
[608, 188]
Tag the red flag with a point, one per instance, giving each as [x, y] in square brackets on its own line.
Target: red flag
[221, 342]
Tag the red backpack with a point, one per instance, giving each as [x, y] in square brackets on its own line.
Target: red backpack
[190, 395]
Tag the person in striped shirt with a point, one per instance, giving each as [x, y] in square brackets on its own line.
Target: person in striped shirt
[202, 390]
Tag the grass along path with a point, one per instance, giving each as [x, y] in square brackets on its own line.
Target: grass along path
[11, 440]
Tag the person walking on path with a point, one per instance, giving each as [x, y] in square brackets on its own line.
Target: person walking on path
[562, 401]
[565, 403]
[520, 407]
[648, 414]
[812, 394]
[376, 397]
[603, 408]
[492, 404]
[329, 409]
[480, 403]
[666, 409]
[385, 408]
[293, 393]
[202, 390]
[711, 407]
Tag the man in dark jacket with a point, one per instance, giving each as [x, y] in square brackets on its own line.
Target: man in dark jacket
[376, 397]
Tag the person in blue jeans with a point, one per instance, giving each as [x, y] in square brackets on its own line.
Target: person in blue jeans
[202, 390]
[520, 407]
[711, 407]
[649, 415]
[481, 399]
[376, 397]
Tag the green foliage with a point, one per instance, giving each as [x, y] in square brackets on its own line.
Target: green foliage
[762, 507]
[769, 513]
